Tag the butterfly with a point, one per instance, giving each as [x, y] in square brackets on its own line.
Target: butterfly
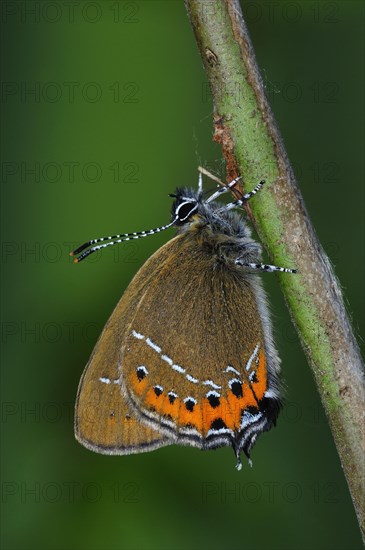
[187, 356]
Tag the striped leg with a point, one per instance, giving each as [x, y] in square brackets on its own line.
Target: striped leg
[223, 190]
[227, 187]
[244, 198]
[264, 267]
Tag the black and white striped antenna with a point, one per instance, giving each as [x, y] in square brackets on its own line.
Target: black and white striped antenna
[114, 239]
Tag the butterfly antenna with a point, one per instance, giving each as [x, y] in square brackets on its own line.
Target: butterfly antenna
[114, 239]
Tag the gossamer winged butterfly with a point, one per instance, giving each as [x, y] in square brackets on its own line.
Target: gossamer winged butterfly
[187, 356]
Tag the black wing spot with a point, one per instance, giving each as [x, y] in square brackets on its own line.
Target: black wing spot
[218, 424]
[158, 390]
[214, 401]
[236, 389]
[172, 397]
[189, 404]
[141, 373]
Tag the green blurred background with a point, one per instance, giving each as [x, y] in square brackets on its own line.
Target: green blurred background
[106, 110]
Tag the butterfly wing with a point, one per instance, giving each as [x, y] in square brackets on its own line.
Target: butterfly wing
[104, 422]
[197, 362]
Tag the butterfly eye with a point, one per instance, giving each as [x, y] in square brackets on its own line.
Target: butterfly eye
[185, 210]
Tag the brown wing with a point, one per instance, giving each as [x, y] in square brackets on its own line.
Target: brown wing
[104, 422]
[194, 357]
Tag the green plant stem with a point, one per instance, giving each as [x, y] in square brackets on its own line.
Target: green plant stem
[252, 146]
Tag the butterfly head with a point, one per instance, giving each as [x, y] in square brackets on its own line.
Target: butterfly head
[186, 205]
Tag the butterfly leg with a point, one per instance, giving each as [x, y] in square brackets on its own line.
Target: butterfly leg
[244, 198]
[224, 190]
[264, 267]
